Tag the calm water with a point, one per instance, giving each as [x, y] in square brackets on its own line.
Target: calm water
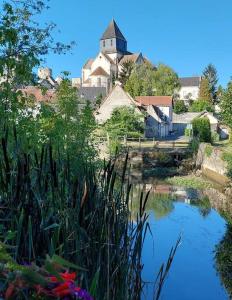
[193, 274]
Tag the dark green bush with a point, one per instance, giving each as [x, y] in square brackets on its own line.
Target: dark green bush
[180, 107]
[201, 129]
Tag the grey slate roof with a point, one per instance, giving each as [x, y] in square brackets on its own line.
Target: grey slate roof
[190, 81]
[113, 32]
[91, 94]
[185, 118]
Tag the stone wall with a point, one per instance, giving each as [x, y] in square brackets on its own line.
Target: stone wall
[209, 160]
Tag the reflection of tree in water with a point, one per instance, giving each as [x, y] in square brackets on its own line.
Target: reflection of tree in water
[223, 256]
[203, 205]
[161, 204]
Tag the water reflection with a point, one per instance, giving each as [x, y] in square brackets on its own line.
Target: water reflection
[175, 210]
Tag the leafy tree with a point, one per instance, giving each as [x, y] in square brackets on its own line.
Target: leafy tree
[23, 44]
[220, 92]
[140, 81]
[201, 105]
[147, 81]
[205, 92]
[226, 105]
[165, 81]
[127, 68]
[73, 127]
[201, 129]
[210, 73]
[180, 107]
[125, 121]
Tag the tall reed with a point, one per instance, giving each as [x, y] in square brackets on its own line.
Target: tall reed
[83, 215]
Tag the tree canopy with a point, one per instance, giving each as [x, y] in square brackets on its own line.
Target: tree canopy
[125, 121]
[226, 105]
[205, 93]
[147, 81]
[180, 107]
[210, 73]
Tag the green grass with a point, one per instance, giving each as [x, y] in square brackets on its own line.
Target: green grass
[208, 150]
[190, 182]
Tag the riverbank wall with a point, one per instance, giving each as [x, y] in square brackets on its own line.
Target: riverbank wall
[210, 161]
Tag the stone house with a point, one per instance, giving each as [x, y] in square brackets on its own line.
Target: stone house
[156, 111]
[159, 111]
[189, 88]
[116, 98]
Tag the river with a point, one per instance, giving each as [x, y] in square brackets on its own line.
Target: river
[175, 212]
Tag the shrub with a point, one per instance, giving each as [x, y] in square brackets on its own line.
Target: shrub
[201, 105]
[188, 132]
[228, 158]
[208, 150]
[215, 137]
[201, 129]
[194, 145]
[180, 107]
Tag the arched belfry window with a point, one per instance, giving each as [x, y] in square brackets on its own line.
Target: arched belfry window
[104, 43]
[111, 42]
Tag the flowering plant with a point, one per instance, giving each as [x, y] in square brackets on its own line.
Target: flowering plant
[51, 281]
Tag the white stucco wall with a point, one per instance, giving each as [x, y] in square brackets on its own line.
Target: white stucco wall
[101, 61]
[118, 97]
[185, 91]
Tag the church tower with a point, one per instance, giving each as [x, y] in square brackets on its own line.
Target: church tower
[113, 43]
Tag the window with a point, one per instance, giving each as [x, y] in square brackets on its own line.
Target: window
[111, 42]
[104, 43]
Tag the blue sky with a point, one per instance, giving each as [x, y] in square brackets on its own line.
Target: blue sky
[185, 34]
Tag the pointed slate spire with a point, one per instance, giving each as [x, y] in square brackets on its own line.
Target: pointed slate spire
[113, 32]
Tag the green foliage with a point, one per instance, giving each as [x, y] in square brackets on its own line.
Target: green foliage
[208, 150]
[201, 129]
[99, 100]
[56, 209]
[224, 259]
[125, 121]
[188, 132]
[204, 92]
[147, 81]
[215, 137]
[165, 81]
[227, 156]
[226, 105]
[210, 73]
[125, 73]
[189, 182]
[220, 92]
[180, 107]
[194, 145]
[140, 81]
[201, 105]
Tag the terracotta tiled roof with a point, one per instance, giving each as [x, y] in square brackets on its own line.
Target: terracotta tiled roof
[88, 64]
[99, 72]
[154, 100]
[48, 96]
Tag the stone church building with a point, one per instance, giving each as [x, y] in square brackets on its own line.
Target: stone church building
[100, 71]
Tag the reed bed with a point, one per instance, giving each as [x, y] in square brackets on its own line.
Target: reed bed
[47, 206]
